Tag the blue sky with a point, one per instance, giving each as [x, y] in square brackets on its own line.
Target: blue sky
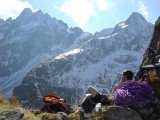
[90, 15]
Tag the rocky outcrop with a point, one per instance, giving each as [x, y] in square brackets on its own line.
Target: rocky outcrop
[151, 60]
[154, 45]
[150, 67]
[12, 114]
[120, 113]
[112, 113]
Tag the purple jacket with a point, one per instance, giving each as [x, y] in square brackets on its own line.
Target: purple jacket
[134, 94]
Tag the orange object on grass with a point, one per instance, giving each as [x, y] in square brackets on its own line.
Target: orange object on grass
[52, 97]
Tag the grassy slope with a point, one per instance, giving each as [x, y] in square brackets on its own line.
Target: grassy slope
[12, 103]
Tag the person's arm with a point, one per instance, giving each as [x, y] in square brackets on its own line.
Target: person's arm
[120, 82]
[115, 86]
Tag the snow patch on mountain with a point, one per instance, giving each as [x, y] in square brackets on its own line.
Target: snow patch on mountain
[88, 75]
[72, 52]
[122, 25]
[110, 36]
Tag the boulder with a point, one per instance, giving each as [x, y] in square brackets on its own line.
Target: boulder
[12, 114]
[120, 113]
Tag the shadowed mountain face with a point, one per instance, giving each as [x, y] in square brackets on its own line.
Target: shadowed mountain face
[96, 61]
[154, 45]
[151, 60]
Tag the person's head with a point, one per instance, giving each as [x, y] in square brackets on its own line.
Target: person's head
[127, 75]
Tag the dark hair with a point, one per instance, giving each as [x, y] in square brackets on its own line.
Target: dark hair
[128, 74]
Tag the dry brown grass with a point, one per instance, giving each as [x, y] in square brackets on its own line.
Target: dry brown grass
[1, 99]
[30, 115]
[48, 116]
[13, 103]
[13, 100]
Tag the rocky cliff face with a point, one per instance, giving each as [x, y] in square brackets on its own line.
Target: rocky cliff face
[95, 62]
[154, 46]
[151, 60]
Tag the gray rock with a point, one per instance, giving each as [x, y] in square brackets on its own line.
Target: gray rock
[62, 116]
[120, 113]
[2, 117]
[12, 114]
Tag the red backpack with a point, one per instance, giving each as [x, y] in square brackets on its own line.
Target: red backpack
[54, 103]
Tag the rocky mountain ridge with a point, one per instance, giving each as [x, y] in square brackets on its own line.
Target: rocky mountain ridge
[30, 39]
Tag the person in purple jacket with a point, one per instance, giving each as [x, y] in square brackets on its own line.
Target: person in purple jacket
[137, 95]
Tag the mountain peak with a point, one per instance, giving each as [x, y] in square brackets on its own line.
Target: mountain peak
[77, 30]
[135, 17]
[39, 12]
[136, 14]
[26, 12]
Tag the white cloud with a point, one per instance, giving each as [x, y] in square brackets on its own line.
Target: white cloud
[102, 5]
[79, 10]
[143, 8]
[12, 8]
